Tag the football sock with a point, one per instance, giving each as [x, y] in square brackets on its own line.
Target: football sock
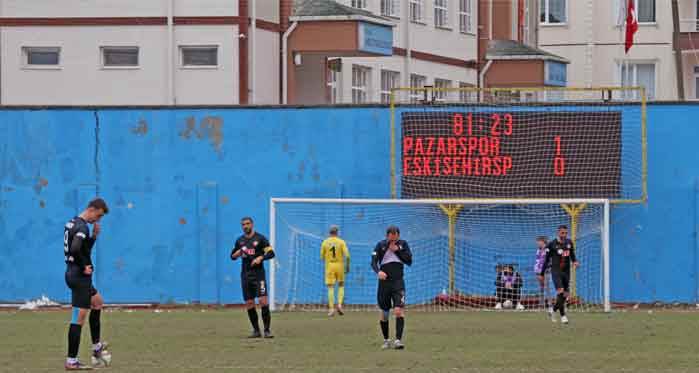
[95, 325]
[384, 328]
[74, 340]
[266, 317]
[331, 297]
[400, 323]
[561, 304]
[252, 315]
[340, 295]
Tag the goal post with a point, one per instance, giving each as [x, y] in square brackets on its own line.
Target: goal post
[459, 248]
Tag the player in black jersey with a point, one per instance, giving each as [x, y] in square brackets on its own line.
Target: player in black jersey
[254, 248]
[561, 253]
[387, 260]
[77, 248]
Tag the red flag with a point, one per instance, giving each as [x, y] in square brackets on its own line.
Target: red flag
[631, 24]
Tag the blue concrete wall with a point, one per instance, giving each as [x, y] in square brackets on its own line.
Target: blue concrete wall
[179, 180]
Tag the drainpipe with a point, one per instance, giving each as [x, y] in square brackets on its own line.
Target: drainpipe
[678, 51]
[253, 66]
[408, 52]
[285, 64]
[171, 54]
[481, 79]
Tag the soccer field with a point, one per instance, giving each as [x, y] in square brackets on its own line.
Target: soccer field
[214, 340]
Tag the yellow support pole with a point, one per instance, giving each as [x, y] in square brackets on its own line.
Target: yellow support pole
[394, 193]
[574, 212]
[452, 212]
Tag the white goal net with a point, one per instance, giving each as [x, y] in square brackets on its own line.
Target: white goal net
[460, 250]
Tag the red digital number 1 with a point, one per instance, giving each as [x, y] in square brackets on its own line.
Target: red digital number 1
[559, 162]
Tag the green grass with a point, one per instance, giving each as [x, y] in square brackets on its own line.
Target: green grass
[213, 340]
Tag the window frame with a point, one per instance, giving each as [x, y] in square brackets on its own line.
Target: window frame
[361, 91]
[417, 96]
[419, 6]
[386, 88]
[621, 19]
[105, 48]
[466, 13]
[444, 9]
[634, 76]
[184, 48]
[27, 50]
[358, 4]
[546, 8]
[442, 96]
[393, 6]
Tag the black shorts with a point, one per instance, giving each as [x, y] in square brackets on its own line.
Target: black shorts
[561, 280]
[254, 286]
[81, 289]
[391, 293]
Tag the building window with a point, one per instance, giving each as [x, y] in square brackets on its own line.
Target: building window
[525, 26]
[466, 95]
[696, 82]
[417, 81]
[645, 11]
[389, 80]
[466, 16]
[360, 84]
[390, 8]
[553, 11]
[119, 56]
[442, 92]
[416, 8]
[361, 4]
[199, 56]
[334, 74]
[441, 13]
[47, 57]
[637, 75]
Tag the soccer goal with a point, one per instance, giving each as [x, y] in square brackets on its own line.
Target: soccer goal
[460, 248]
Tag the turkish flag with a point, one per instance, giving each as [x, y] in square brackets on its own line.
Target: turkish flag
[631, 24]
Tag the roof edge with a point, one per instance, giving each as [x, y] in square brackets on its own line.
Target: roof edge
[353, 17]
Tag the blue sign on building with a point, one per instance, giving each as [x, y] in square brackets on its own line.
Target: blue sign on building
[376, 39]
[555, 74]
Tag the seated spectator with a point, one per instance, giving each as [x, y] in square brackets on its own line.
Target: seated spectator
[508, 287]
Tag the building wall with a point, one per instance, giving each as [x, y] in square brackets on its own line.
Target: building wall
[452, 44]
[267, 10]
[525, 73]
[268, 76]
[173, 217]
[208, 86]
[79, 8]
[595, 45]
[82, 80]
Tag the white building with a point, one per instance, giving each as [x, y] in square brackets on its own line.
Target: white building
[133, 52]
[590, 34]
[190, 52]
[435, 44]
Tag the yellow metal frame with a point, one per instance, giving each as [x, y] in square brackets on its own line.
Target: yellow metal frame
[452, 212]
[644, 133]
